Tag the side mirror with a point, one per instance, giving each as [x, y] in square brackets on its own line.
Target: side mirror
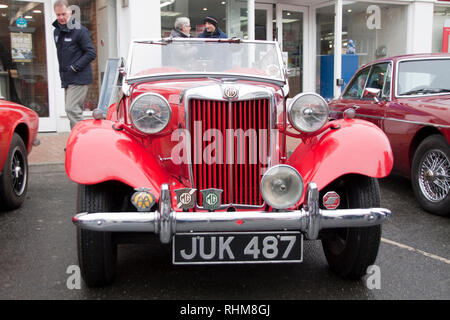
[372, 93]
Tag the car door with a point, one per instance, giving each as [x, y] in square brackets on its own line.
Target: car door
[368, 93]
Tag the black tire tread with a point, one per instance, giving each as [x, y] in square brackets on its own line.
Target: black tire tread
[8, 200]
[363, 243]
[96, 250]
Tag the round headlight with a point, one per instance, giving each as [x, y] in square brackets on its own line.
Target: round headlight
[308, 112]
[281, 187]
[150, 113]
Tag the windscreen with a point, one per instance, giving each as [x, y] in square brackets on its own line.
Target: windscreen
[205, 57]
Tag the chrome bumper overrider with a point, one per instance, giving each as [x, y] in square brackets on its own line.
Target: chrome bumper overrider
[166, 222]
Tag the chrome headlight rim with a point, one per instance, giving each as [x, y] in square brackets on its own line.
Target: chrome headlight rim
[169, 108]
[291, 203]
[295, 99]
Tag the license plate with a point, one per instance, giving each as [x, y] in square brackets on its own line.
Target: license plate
[245, 247]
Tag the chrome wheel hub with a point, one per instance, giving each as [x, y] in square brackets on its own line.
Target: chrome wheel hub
[434, 176]
[18, 172]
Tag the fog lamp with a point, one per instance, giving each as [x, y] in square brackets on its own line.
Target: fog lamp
[281, 187]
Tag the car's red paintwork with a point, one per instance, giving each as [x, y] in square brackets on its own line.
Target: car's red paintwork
[16, 118]
[103, 150]
[357, 147]
[405, 120]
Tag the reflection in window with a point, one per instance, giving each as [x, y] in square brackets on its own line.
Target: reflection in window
[377, 30]
[356, 88]
[231, 15]
[441, 19]
[423, 77]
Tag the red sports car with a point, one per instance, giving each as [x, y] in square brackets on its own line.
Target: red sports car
[18, 132]
[193, 149]
[408, 97]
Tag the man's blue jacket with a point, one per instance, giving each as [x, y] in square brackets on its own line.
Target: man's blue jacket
[75, 53]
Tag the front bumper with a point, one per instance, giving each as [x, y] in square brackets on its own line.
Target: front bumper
[166, 222]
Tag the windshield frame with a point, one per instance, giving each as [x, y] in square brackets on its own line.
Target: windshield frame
[188, 74]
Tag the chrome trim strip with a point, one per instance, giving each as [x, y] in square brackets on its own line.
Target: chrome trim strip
[399, 120]
[308, 220]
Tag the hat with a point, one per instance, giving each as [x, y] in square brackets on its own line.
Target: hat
[211, 20]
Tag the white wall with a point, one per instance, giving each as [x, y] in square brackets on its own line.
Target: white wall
[420, 27]
[140, 20]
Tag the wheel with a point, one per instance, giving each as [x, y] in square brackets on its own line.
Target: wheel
[430, 175]
[14, 179]
[97, 251]
[350, 251]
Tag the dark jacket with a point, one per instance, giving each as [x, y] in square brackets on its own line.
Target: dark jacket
[75, 53]
[218, 33]
[176, 33]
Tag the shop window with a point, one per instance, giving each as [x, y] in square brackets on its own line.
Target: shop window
[373, 30]
[23, 65]
[441, 29]
[231, 15]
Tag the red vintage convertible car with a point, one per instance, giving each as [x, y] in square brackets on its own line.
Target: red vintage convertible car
[193, 149]
[408, 97]
[18, 132]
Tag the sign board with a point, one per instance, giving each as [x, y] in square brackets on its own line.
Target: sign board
[21, 47]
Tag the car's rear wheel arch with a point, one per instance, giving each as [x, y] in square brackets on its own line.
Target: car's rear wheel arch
[23, 131]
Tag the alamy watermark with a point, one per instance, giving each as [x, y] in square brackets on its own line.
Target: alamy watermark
[373, 277]
[73, 282]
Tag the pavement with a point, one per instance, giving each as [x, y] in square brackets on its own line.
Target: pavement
[51, 149]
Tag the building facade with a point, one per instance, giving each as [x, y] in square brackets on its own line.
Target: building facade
[323, 41]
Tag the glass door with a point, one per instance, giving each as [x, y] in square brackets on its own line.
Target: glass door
[292, 35]
[23, 38]
[263, 21]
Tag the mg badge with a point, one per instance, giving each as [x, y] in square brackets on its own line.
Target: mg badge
[230, 93]
[186, 198]
[212, 199]
[331, 200]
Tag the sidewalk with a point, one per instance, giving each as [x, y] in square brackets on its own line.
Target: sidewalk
[51, 149]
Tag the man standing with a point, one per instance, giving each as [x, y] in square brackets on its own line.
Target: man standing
[212, 29]
[75, 53]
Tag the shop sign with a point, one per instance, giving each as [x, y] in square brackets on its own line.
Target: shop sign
[22, 23]
[21, 47]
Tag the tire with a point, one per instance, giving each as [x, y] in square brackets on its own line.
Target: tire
[350, 251]
[97, 251]
[430, 172]
[14, 179]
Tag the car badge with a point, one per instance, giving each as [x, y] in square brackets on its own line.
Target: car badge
[186, 198]
[231, 92]
[212, 199]
[143, 200]
[331, 200]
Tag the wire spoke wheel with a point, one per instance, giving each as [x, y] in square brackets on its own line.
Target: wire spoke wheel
[434, 175]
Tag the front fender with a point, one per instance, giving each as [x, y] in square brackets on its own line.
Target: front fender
[96, 153]
[357, 147]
